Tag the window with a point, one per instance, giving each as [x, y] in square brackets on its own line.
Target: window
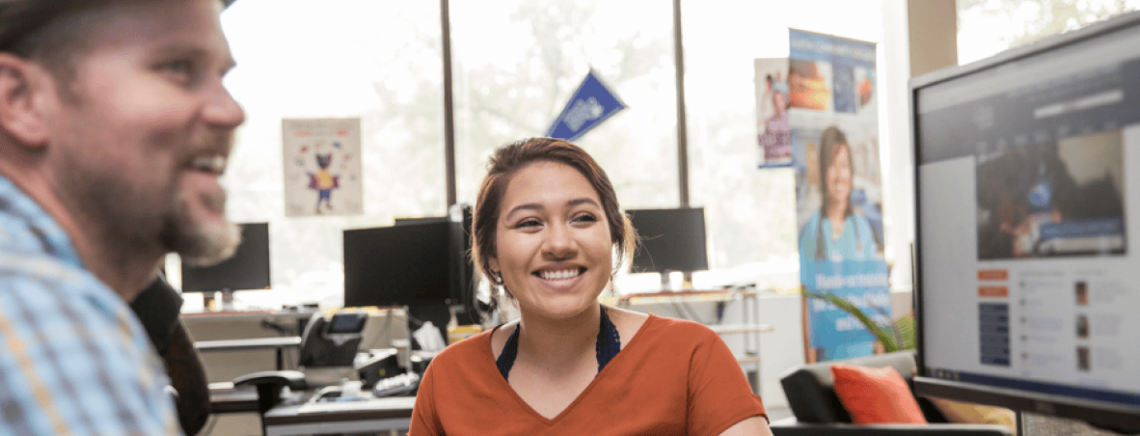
[379, 61]
[987, 27]
[750, 212]
[518, 62]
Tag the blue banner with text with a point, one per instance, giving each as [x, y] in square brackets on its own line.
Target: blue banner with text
[835, 333]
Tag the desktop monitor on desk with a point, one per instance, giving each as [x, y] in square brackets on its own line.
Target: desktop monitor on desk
[412, 264]
[408, 264]
[671, 240]
[1027, 216]
[462, 270]
[247, 269]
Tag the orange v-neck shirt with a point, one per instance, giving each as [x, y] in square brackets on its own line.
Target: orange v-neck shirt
[673, 378]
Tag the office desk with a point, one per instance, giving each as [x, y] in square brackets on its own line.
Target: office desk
[277, 344]
[374, 415]
[224, 398]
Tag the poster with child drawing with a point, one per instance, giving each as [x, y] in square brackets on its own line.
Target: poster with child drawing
[322, 167]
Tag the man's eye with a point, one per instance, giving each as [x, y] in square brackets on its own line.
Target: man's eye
[184, 69]
[179, 66]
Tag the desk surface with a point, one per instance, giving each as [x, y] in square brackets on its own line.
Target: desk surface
[224, 398]
[249, 344]
[372, 415]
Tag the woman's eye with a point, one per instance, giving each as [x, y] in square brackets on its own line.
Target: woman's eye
[585, 218]
[528, 223]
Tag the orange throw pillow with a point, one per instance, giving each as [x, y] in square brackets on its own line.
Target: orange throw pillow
[876, 395]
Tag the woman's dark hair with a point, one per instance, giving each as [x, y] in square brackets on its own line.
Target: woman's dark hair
[513, 157]
[830, 143]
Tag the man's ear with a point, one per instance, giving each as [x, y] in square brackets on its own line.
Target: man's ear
[20, 114]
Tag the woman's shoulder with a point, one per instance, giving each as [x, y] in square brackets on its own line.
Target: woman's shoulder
[673, 332]
[465, 350]
[628, 323]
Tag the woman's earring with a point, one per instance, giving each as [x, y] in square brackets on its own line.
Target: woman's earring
[496, 278]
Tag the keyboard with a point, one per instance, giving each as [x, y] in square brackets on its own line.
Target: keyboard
[398, 385]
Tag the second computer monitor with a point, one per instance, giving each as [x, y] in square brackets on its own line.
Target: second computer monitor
[671, 240]
[247, 269]
[404, 265]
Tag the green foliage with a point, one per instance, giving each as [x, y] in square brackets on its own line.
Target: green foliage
[902, 335]
[908, 331]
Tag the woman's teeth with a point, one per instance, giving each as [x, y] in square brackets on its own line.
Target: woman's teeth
[560, 274]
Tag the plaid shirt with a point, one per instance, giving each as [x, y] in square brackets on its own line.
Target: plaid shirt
[73, 358]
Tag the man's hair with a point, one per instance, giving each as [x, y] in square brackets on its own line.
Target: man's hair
[51, 32]
[509, 160]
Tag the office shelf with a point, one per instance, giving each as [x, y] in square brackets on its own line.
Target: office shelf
[731, 329]
[748, 300]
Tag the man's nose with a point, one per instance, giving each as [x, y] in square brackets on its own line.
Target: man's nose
[222, 110]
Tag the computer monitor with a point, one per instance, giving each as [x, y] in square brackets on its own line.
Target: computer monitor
[671, 240]
[247, 269]
[1027, 216]
[462, 275]
[403, 265]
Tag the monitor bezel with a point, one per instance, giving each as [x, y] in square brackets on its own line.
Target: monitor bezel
[1112, 416]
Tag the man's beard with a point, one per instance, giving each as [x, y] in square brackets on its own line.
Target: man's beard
[200, 244]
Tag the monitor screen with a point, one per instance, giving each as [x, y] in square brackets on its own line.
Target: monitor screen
[671, 239]
[247, 269]
[462, 269]
[407, 264]
[1027, 222]
[343, 323]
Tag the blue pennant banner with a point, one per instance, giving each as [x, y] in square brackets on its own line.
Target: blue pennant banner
[591, 104]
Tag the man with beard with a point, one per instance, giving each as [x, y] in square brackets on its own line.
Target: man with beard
[114, 129]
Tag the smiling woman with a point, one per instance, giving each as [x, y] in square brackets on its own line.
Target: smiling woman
[548, 230]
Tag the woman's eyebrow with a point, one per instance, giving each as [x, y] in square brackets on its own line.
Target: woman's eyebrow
[521, 207]
[583, 200]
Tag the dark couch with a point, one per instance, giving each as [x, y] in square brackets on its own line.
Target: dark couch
[818, 411]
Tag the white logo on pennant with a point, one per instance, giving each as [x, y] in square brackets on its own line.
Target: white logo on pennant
[583, 111]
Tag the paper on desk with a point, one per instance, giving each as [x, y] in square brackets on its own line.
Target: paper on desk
[429, 337]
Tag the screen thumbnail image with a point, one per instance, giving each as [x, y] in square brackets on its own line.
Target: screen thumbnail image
[1082, 326]
[1063, 198]
[1083, 358]
[1082, 290]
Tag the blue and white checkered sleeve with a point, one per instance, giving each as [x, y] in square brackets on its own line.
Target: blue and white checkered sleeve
[75, 359]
